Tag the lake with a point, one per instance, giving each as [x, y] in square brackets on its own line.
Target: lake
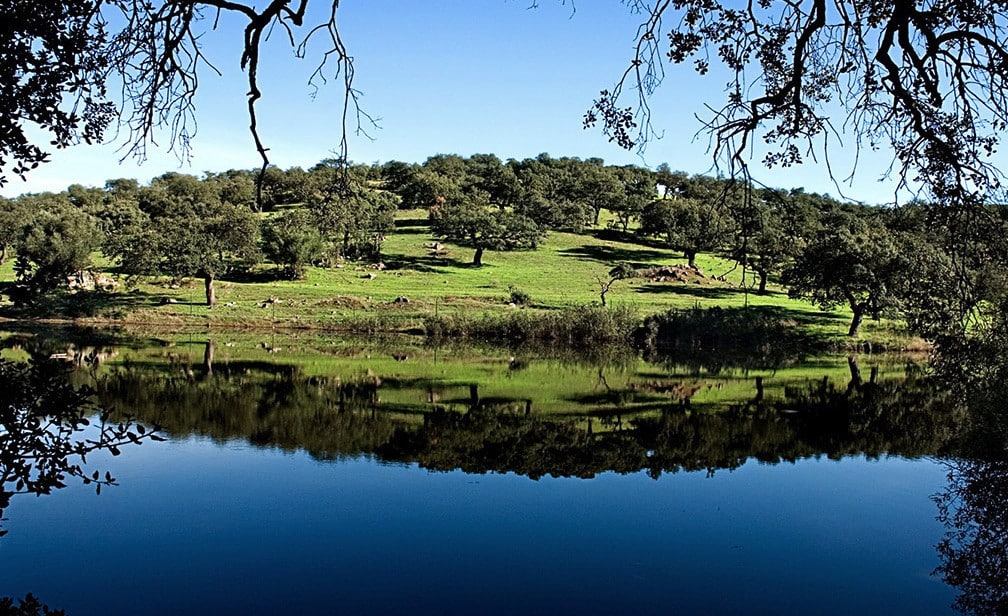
[306, 475]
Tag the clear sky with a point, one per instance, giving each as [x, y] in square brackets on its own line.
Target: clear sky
[451, 76]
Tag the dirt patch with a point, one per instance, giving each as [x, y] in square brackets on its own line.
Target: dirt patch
[343, 301]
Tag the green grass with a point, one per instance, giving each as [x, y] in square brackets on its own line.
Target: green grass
[356, 296]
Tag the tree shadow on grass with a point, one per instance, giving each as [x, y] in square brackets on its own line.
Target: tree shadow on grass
[615, 235]
[411, 223]
[80, 304]
[411, 230]
[690, 290]
[427, 264]
[258, 276]
[637, 257]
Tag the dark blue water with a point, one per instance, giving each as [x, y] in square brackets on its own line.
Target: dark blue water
[202, 528]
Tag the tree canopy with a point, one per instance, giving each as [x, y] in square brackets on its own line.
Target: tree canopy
[471, 221]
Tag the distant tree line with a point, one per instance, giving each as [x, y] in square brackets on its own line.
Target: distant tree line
[875, 261]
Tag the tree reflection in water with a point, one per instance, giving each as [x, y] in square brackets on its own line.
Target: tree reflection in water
[974, 551]
[48, 427]
[46, 435]
[974, 505]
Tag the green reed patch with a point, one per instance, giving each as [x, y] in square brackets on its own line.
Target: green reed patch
[582, 325]
[754, 329]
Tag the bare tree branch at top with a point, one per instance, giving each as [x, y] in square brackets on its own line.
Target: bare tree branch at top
[926, 79]
[59, 60]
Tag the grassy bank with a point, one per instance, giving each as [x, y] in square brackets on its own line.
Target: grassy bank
[415, 290]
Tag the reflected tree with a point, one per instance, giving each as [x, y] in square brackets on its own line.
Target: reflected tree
[974, 551]
[48, 428]
[974, 505]
[29, 606]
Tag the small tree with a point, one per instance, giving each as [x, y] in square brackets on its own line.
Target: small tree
[351, 214]
[470, 221]
[598, 187]
[53, 245]
[292, 241]
[203, 241]
[620, 272]
[769, 232]
[639, 189]
[686, 224]
[856, 262]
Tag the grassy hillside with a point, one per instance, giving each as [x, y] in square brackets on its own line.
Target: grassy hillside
[413, 282]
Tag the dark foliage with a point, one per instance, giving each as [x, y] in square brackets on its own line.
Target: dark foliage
[48, 428]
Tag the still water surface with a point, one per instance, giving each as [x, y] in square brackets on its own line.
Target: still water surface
[222, 525]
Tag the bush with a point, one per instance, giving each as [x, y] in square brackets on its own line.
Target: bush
[698, 329]
[519, 297]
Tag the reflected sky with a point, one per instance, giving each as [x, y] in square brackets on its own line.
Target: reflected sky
[202, 527]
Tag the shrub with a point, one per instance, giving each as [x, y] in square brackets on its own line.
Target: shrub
[519, 297]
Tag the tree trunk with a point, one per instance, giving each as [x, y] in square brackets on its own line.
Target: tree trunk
[478, 257]
[855, 372]
[208, 355]
[691, 258]
[211, 292]
[3, 253]
[762, 281]
[598, 211]
[855, 325]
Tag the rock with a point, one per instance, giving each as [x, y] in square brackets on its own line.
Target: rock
[86, 280]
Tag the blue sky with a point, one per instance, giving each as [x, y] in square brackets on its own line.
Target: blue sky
[452, 76]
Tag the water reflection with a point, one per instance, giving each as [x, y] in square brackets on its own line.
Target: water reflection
[48, 427]
[974, 551]
[621, 419]
[455, 426]
[974, 505]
